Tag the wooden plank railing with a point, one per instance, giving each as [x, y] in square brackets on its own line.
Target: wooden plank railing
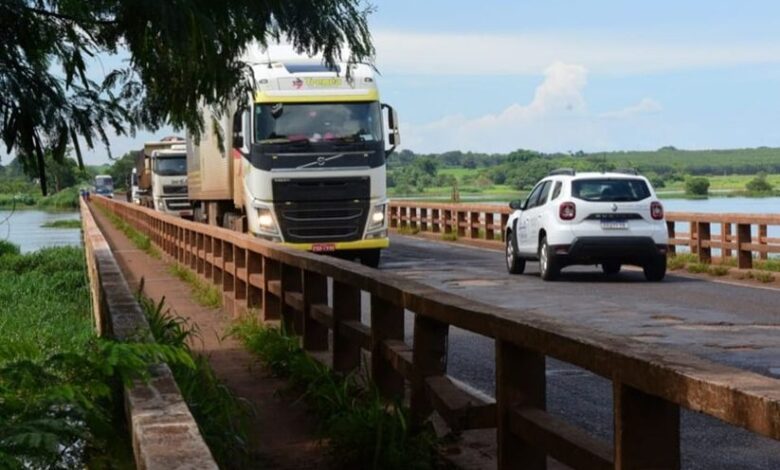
[650, 384]
[743, 235]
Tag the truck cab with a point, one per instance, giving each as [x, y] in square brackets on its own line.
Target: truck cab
[308, 157]
[162, 183]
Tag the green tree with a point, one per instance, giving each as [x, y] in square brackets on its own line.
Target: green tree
[697, 186]
[759, 184]
[122, 168]
[181, 52]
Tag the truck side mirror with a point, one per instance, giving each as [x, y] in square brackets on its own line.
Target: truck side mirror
[394, 135]
[238, 126]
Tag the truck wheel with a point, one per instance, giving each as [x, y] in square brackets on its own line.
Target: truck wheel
[514, 264]
[610, 268]
[655, 270]
[370, 258]
[549, 265]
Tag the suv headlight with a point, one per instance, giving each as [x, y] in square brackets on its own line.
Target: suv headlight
[266, 220]
[378, 216]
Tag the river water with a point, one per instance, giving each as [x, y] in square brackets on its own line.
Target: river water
[23, 228]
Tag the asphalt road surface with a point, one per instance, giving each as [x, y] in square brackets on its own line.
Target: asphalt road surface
[736, 325]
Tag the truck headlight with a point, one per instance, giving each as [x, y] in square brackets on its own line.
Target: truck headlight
[266, 220]
[377, 217]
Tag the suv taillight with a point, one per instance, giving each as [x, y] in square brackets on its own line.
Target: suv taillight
[567, 211]
[656, 210]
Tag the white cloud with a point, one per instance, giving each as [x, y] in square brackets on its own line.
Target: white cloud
[479, 54]
[645, 106]
[556, 119]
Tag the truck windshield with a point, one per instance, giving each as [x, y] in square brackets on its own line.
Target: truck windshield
[318, 122]
[170, 166]
[610, 190]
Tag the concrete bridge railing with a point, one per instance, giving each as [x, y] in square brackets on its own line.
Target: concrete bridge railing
[164, 434]
[485, 224]
[318, 296]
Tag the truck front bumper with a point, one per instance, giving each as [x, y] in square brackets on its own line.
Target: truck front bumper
[373, 243]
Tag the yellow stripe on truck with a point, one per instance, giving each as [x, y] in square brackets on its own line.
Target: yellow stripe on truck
[356, 245]
[298, 97]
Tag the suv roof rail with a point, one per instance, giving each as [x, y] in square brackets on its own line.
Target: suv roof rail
[563, 171]
[627, 171]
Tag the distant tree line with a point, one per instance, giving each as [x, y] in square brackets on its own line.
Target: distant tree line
[521, 168]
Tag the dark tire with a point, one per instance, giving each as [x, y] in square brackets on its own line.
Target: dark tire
[549, 264]
[610, 268]
[370, 258]
[655, 270]
[514, 264]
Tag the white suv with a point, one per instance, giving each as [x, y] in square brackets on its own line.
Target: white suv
[609, 219]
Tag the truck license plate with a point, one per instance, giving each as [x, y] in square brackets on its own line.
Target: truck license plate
[614, 225]
[323, 247]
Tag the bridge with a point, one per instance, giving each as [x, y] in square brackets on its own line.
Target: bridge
[589, 372]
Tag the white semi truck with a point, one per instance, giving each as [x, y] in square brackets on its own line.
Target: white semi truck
[161, 172]
[302, 160]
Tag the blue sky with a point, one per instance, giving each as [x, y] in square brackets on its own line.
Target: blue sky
[574, 75]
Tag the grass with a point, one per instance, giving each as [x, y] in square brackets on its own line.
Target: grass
[772, 265]
[70, 224]
[59, 383]
[449, 237]
[205, 293]
[718, 270]
[762, 276]
[698, 268]
[681, 260]
[407, 230]
[362, 430]
[222, 417]
[141, 241]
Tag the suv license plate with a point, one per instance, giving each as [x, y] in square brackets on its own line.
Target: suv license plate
[614, 225]
[323, 247]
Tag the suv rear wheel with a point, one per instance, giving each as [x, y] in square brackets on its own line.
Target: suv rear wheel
[549, 265]
[514, 264]
[655, 270]
[610, 267]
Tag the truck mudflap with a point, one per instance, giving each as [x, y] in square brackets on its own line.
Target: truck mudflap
[373, 243]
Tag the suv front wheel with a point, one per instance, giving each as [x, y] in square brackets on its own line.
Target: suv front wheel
[514, 264]
[549, 265]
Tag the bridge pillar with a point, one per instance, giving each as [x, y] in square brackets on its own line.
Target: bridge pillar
[647, 430]
[520, 382]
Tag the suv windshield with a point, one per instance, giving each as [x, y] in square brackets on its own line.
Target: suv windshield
[610, 190]
[170, 166]
[316, 122]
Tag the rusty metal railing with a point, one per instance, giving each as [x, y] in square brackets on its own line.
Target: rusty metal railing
[319, 296]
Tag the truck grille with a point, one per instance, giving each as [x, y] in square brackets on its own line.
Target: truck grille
[322, 210]
[170, 189]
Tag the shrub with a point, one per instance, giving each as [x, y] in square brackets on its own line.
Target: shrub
[759, 184]
[698, 268]
[697, 186]
[8, 248]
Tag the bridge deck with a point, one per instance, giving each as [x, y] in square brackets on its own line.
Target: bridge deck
[725, 323]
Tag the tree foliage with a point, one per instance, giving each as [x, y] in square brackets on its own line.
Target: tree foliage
[181, 52]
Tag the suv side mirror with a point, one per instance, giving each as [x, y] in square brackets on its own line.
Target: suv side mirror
[518, 204]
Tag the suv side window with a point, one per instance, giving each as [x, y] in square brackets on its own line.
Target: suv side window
[534, 197]
[557, 190]
[545, 192]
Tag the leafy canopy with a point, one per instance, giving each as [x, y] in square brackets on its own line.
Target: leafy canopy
[181, 51]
